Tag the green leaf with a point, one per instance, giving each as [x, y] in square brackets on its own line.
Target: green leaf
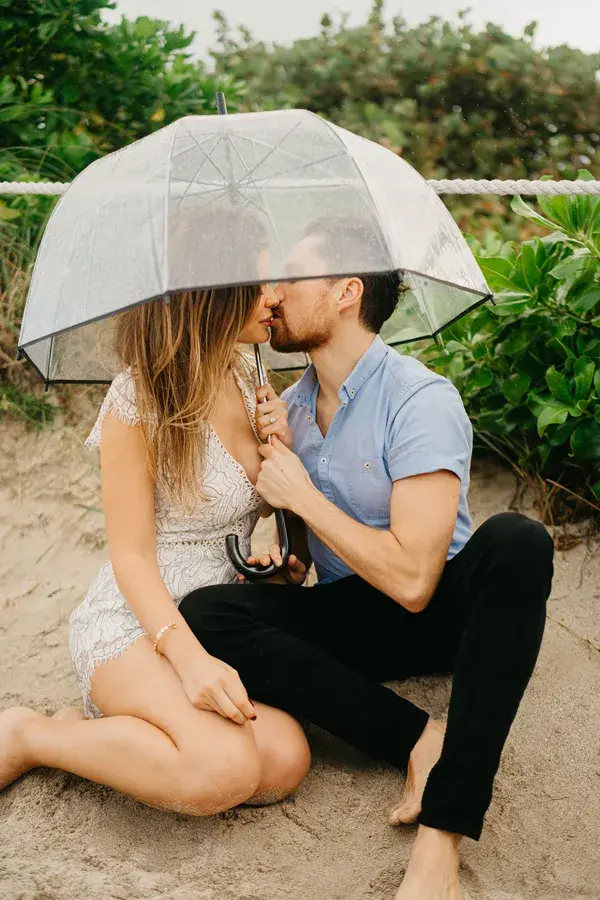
[560, 209]
[596, 490]
[560, 434]
[587, 300]
[497, 272]
[559, 386]
[584, 375]
[531, 273]
[551, 415]
[571, 267]
[515, 387]
[509, 303]
[7, 214]
[585, 440]
[483, 378]
[519, 206]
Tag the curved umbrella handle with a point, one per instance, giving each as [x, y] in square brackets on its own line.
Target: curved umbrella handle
[257, 572]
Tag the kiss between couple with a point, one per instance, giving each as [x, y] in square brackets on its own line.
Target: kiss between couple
[193, 684]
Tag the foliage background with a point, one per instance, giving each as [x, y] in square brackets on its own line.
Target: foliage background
[454, 101]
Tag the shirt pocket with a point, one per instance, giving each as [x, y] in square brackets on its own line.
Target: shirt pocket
[369, 489]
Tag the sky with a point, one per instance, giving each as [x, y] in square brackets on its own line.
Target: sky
[576, 23]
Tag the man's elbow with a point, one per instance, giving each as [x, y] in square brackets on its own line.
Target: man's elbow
[414, 596]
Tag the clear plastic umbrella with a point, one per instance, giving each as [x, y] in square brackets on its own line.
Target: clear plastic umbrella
[144, 222]
[192, 205]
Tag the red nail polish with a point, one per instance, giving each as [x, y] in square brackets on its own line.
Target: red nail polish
[253, 718]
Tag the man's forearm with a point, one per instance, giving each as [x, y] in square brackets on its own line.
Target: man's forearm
[377, 556]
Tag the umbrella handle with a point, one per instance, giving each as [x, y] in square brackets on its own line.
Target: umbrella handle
[232, 540]
[257, 572]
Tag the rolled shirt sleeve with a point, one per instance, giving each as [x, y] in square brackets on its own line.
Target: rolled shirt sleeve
[431, 432]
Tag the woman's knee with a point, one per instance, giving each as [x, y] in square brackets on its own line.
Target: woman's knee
[284, 762]
[208, 784]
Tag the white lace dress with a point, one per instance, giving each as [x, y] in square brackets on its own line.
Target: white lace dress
[190, 548]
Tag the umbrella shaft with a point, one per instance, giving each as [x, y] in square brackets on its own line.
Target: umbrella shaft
[262, 378]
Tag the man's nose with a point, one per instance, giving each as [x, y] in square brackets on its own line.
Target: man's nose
[279, 291]
[271, 300]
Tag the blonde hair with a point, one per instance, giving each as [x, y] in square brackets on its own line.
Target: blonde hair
[179, 351]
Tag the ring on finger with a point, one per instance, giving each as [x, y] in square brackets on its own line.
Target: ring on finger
[272, 419]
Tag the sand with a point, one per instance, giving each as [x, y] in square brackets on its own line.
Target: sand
[62, 838]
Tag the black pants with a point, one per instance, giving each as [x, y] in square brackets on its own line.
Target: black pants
[320, 654]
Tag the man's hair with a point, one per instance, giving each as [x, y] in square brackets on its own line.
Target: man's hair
[361, 241]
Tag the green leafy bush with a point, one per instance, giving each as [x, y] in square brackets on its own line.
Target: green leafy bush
[529, 367]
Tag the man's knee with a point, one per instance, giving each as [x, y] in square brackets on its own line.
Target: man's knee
[520, 543]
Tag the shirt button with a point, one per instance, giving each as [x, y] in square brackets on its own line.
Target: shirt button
[323, 460]
[352, 393]
[367, 465]
[310, 418]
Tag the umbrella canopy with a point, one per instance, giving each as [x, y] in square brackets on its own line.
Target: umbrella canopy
[192, 205]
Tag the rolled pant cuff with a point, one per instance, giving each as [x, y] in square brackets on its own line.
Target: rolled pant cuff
[454, 822]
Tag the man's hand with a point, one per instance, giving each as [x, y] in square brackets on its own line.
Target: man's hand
[283, 481]
[294, 573]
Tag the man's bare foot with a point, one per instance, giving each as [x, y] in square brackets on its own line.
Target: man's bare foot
[423, 758]
[69, 714]
[13, 755]
[432, 872]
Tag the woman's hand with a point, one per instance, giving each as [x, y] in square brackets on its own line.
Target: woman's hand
[271, 415]
[294, 573]
[213, 685]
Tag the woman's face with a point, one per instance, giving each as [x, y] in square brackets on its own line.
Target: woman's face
[256, 328]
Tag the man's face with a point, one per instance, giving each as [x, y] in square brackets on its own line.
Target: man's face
[307, 313]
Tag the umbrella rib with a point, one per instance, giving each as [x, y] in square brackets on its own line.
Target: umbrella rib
[264, 208]
[273, 149]
[202, 150]
[316, 162]
[206, 139]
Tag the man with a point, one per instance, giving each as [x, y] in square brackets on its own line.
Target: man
[379, 476]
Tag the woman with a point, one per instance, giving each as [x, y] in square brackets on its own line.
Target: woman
[178, 432]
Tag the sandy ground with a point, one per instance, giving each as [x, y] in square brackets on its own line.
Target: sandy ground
[62, 838]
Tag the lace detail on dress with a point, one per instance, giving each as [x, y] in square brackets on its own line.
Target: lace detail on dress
[190, 546]
[120, 400]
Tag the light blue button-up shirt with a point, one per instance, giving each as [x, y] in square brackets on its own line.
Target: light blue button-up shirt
[396, 419]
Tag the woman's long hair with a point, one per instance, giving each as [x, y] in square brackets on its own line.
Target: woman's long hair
[180, 349]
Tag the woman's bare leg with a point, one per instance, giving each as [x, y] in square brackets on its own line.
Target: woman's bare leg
[152, 743]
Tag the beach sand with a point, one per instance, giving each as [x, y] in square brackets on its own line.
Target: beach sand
[62, 838]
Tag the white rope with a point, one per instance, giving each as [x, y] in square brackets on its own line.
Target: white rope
[441, 186]
[520, 186]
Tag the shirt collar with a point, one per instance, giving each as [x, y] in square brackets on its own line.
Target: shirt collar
[307, 387]
[364, 368]
[360, 374]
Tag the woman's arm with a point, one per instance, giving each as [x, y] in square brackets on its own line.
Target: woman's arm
[128, 499]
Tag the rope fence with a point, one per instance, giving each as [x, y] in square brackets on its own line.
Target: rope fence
[442, 186]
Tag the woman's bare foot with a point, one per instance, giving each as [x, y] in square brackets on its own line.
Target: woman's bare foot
[423, 758]
[69, 714]
[432, 872]
[13, 754]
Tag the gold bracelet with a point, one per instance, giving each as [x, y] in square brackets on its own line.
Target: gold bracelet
[160, 634]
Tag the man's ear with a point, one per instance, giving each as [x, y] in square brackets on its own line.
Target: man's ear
[351, 294]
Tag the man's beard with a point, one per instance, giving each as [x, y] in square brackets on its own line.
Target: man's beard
[283, 341]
